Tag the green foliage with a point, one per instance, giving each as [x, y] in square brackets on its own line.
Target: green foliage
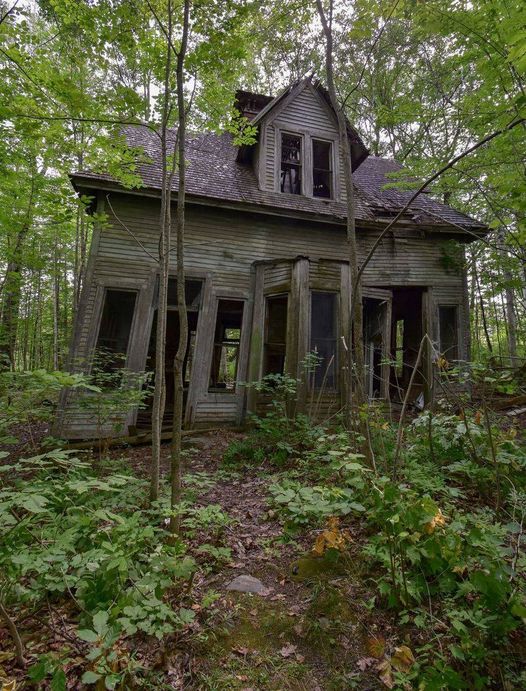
[447, 565]
[112, 392]
[30, 397]
[301, 505]
[70, 534]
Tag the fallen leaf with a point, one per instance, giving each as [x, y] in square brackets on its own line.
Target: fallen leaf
[385, 673]
[403, 659]
[364, 662]
[9, 685]
[376, 647]
[240, 651]
[288, 650]
[331, 538]
[300, 658]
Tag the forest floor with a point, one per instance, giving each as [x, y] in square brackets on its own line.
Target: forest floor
[310, 628]
[317, 623]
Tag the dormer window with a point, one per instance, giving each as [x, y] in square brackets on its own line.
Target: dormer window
[321, 169]
[291, 163]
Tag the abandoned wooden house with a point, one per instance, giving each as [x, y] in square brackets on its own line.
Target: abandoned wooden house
[267, 271]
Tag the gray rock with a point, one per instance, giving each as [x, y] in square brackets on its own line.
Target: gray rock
[247, 584]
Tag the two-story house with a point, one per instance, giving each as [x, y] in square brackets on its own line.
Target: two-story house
[267, 270]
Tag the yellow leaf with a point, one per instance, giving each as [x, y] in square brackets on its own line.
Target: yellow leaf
[331, 538]
[385, 673]
[8, 685]
[438, 521]
[403, 659]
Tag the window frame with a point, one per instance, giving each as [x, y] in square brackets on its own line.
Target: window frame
[302, 166]
[331, 144]
[336, 339]
[100, 300]
[273, 296]
[307, 135]
[240, 346]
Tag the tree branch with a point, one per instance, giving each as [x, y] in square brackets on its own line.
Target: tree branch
[425, 184]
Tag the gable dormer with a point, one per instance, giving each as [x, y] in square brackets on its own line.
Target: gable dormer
[298, 151]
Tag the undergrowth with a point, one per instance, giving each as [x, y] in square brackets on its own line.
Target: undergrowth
[442, 529]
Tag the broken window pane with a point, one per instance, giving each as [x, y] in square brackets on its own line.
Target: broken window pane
[115, 328]
[226, 345]
[321, 169]
[448, 327]
[290, 164]
[275, 335]
[323, 337]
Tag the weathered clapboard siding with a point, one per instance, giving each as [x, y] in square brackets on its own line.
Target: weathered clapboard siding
[305, 114]
[307, 110]
[226, 243]
[222, 246]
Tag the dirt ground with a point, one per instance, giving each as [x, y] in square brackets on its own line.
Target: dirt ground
[313, 628]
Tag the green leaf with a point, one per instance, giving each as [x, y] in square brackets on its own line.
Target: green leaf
[58, 680]
[100, 622]
[34, 503]
[87, 635]
[90, 677]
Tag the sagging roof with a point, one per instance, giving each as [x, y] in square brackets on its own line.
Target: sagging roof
[214, 173]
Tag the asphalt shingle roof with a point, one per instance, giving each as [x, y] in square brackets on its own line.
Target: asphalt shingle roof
[213, 172]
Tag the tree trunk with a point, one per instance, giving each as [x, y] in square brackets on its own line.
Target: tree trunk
[164, 262]
[355, 350]
[177, 422]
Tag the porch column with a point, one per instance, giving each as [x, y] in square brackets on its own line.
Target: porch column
[298, 318]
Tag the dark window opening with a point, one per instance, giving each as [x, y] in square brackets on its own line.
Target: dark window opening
[193, 292]
[323, 338]
[321, 169]
[227, 336]
[406, 337]
[291, 164]
[448, 326]
[374, 326]
[275, 344]
[115, 328]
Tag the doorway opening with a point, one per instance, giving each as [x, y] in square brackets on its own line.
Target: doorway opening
[406, 336]
[193, 291]
[376, 350]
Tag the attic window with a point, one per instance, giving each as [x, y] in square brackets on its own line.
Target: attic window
[321, 169]
[290, 164]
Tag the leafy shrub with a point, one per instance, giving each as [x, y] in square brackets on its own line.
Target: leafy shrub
[300, 505]
[68, 534]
